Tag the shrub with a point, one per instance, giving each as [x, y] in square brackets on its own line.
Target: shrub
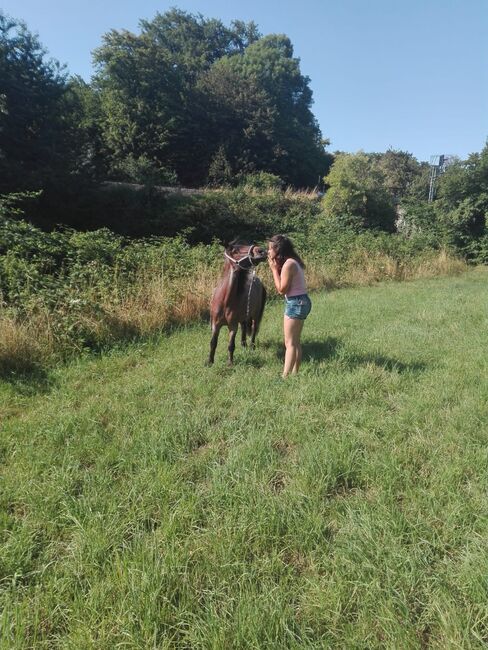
[143, 170]
[261, 181]
[357, 196]
[65, 291]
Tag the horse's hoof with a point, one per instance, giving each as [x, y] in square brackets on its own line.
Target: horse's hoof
[208, 363]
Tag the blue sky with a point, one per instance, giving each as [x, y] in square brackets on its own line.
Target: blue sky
[407, 74]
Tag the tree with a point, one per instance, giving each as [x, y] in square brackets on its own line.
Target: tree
[418, 189]
[152, 104]
[33, 139]
[287, 138]
[399, 170]
[187, 87]
[240, 118]
[82, 116]
[220, 171]
[45, 141]
[462, 197]
[357, 196]
[139, 89]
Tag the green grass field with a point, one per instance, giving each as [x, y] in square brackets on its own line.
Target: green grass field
[149, 502]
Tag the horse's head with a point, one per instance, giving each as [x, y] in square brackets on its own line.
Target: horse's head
[245, 256]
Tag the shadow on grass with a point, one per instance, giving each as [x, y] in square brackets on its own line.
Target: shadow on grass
[28, 380]
[242, 358]
[317, 351]
[312, 349]
[392, 365]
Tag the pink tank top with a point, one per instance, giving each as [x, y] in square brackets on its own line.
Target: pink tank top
[298, 286]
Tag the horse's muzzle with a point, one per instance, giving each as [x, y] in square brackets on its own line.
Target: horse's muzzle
[259, 255]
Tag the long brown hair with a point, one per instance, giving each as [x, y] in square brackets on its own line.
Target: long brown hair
[284, 249]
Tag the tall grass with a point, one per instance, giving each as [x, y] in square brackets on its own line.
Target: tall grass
[23, 346]
[365, 268]
[154, 301]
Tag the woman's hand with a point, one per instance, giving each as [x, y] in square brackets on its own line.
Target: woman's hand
[282, 278]
[273, 264]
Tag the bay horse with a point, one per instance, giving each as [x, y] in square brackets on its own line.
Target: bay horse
[239, 297]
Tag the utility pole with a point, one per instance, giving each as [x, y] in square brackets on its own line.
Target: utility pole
[437, 166]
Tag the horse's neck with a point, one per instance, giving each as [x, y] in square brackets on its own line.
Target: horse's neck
[232, 286]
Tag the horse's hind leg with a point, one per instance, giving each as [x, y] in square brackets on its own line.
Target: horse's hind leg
[254, 331]
[243, 333]
[232, 343]
[213, 343]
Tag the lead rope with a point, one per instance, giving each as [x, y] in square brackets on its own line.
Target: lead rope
[249, 294]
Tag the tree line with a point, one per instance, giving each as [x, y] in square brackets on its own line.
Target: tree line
[193, 102]
[186, 100]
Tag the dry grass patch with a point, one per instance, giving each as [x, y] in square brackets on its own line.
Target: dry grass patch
[23, 346]
[366, 268]
[156, 302]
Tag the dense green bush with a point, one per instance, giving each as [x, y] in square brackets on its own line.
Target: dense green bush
[89, 286]
[69, 276]
[336, 245]
[142, 210]
[357, 196]
[261, 181]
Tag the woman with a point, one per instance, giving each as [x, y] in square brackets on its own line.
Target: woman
[289, 278]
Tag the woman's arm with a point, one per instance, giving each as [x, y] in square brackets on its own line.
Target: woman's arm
[283, 281]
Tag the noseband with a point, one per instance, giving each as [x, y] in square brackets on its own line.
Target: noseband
[245, 258]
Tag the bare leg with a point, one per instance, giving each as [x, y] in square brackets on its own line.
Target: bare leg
[292, 329]
[298, 361]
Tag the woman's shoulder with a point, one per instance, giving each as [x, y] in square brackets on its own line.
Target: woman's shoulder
[290, 261]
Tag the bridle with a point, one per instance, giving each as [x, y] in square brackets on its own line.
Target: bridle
[244, 258]
[238, 263]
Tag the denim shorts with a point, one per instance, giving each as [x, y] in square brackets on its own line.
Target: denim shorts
[298, 307]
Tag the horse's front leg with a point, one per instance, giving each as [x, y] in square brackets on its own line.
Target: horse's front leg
[243, 333]
[232, 343]
[213, 343]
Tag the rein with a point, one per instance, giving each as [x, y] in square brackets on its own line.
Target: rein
[249, 294]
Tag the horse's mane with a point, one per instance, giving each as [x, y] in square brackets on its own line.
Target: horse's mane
[241, 241]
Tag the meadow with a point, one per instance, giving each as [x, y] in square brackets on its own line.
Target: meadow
[149, 502]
